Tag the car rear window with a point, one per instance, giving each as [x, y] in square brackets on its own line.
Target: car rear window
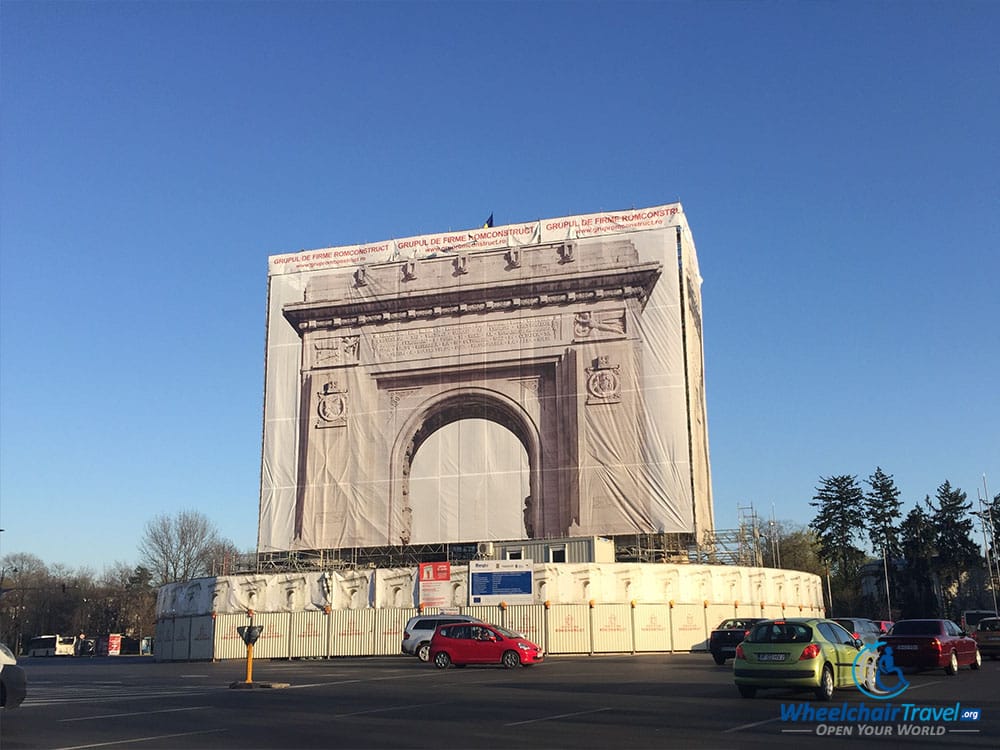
[780, 632]
[991, 625]
[917, 627]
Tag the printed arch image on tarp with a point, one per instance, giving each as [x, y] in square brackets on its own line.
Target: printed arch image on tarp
[524, 381]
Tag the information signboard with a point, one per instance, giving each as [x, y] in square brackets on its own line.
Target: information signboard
[435, 584]
[496, 581]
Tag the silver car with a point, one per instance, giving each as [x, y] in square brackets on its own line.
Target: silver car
[420, 629]
[867, 631]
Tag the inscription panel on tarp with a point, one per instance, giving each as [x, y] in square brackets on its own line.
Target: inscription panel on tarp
[494, 335]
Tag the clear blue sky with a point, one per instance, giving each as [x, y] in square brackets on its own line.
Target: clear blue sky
[838, 163]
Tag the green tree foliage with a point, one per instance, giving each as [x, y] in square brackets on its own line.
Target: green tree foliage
[882, 511]
[793, 547]
[39, 599]
[917, 540]
[837, 525]
[882, 515]
[956, 551]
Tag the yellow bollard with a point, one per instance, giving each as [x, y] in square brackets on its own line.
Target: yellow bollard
[249, 662]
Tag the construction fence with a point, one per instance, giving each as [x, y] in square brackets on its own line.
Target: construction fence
[558, 629]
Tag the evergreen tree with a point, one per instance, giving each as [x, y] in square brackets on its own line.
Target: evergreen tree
[882, 517]
[917, 541]
[956, 550]
[840, 502]
[882, 506]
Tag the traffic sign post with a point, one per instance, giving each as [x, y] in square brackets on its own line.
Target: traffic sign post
[250, 633]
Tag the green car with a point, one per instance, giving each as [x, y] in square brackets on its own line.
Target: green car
[802, 653]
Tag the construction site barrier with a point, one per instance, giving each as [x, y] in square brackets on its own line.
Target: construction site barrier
[558, 629]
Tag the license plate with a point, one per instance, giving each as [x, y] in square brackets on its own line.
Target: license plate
[771, 657]
[907, 647]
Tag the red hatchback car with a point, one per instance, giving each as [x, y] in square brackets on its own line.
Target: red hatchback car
[480, 643]
[930, 644]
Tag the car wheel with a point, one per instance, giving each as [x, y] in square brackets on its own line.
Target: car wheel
[825, 690]
[510, 660]
[719, 658]
[871, 672]
[977, 662]
[747, 691]
[424, 652]
[441, 660]
[952, 667]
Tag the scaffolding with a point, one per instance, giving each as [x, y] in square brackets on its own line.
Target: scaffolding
[739, 546]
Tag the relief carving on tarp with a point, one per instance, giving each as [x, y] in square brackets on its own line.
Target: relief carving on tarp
[604, 383]
[608, 322]
[332, 406]
[337, 350]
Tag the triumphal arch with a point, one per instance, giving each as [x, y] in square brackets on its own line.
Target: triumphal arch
[578, 340]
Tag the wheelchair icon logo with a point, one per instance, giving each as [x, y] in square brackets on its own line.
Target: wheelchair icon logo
[876, 674]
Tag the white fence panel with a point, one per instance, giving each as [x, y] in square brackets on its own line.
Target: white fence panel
[529, 621]
[486, 613]
[163, 646]
[228, 644]
[388, 630]
[687, 623]
[182, 639]
[202, 638]
[309, 634]
[714, 615]
[611, 626]
[273, 642]
[651, 624]
[352, 632]
[750, 609]
[568, 629]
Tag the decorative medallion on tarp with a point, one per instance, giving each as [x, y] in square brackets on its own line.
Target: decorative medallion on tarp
[332, 406]
[604, 384]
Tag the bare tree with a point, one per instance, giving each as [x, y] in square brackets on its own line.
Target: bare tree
[179, 548]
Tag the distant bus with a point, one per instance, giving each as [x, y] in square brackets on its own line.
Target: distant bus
[52, 645]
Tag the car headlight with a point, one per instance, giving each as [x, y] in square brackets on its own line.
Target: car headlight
[524, 647]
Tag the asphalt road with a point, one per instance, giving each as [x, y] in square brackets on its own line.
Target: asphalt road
[647, 701]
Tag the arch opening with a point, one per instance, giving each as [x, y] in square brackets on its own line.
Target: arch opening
[477, 473]
[469, 480]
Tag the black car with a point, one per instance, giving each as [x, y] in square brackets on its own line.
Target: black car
[730, 634]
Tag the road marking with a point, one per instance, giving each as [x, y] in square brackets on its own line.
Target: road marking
[323, 684]
[390, 708]
[32, 702]
[750, 726]
[140, 739]
[557, 716]
[135, 713]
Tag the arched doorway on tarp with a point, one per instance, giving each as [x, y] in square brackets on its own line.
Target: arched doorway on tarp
[466, 467]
